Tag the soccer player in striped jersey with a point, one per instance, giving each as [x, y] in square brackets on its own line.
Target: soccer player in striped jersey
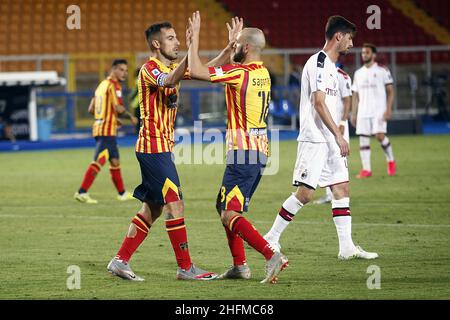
[158, 86]
[247, 87]
[106, 106]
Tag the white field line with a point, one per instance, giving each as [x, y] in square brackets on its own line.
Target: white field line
[192, 220]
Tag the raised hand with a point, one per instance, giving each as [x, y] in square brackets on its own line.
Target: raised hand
[194, 23]
[236, 26]
[188, 36]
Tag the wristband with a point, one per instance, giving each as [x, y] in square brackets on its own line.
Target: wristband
[343, 123]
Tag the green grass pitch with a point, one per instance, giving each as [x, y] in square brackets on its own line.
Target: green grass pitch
[406, 219]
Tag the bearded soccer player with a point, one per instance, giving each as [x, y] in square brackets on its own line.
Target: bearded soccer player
[158, 85]
[106, 106]
[322, 148]
[372, 108]
[247, 86]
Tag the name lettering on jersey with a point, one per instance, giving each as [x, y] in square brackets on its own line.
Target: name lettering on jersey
[261, 82]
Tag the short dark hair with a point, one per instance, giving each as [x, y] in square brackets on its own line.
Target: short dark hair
[338, 24]
[371, 46]
[154, 30]
[116, 62]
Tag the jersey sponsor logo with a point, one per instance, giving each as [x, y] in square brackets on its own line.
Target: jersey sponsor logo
[219, 72]
[331, 92]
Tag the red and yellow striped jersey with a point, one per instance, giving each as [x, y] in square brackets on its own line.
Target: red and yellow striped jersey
[107, 96]
[247, 98]
[158, 107]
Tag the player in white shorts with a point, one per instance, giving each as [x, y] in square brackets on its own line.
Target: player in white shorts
[322, 149]
[343, 111]
[371, 108]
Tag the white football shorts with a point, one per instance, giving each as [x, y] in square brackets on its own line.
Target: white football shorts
[370, 126]
[319, 164]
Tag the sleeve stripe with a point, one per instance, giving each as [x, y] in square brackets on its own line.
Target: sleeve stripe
[225, 79]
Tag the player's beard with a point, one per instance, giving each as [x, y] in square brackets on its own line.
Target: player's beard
[368, 60]
[239, 56]
[170, 56]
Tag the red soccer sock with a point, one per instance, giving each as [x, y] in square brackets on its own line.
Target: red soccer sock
[242, 227]
[89, 176]
[130, 245]
[236, 245]
[178, 237]
[116, 177]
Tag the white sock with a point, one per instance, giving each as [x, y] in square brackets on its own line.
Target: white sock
[387, 148]
[364, 151]
[343, 222]
[329, 192]
[288, 210]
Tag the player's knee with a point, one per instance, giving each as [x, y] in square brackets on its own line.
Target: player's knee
[380, 136]
[175, 209]
[340, 191]
[225, 216]
[303, 195]
[146, 212]
[114, 162]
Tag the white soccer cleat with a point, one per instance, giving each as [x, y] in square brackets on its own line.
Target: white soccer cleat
[125, 196]
[274, 244]
[357, 253]
[84, 198]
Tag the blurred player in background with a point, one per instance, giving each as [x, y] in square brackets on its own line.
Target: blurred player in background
[372, 108]
[343, 110]
[322, 148]
[106, 106]
[158, 84]
[247, 86]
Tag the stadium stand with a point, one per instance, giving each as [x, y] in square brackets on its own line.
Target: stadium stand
[282, 23]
